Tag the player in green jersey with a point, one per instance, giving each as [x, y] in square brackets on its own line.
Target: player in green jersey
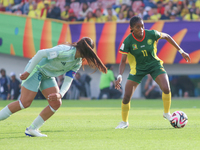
[40, 73]
[140, 48]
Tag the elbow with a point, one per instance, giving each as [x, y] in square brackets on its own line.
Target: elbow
[167, 37]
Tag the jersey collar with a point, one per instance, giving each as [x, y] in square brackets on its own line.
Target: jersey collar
[137, 39]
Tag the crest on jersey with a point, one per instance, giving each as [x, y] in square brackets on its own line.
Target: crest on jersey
[134, 46]
[149, 41]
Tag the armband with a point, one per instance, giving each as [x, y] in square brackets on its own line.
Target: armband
[180, 51]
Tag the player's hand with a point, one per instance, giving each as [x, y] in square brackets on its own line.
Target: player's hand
[24, 75]
[186, 56]
[54, 97]
[117, 83]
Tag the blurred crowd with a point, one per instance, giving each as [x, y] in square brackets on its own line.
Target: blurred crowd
[104, 10]
[10, 87]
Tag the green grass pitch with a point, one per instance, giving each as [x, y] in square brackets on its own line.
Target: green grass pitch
[90, 125]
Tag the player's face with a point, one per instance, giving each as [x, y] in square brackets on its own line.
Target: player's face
[138, 29]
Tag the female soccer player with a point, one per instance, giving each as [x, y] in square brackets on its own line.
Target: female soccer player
[140, 47]
[40, 73]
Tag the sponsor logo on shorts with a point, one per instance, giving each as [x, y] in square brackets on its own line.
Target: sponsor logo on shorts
[162, 69]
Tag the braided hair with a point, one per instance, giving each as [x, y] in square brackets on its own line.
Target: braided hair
[85, 47]
[133, 21]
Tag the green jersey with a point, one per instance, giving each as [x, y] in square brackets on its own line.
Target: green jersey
[141, 53]
[106, 79]
[55, 61]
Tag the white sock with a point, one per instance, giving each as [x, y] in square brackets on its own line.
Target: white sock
[5, 113]
[37, 123]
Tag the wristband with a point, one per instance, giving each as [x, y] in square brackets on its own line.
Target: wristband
[119, 76]
[180, 51]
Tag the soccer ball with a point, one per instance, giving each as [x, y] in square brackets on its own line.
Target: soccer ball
[179, 119]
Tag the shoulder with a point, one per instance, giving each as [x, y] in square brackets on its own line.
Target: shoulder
[150, 31]
[128, 38]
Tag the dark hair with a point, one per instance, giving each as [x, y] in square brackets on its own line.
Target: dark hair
[134, 20]
[85, 47]
[109, 66]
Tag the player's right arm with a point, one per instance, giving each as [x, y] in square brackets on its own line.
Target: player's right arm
[45, 53]
[124, 50]
[122, 66]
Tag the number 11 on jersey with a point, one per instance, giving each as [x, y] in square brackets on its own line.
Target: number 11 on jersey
[144, 53]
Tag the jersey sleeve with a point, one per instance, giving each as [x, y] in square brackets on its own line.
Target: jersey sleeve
[157, 34]
[50, 53]
[124, 49]
[66, 85]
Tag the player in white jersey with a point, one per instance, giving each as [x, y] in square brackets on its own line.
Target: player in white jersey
[40, 73]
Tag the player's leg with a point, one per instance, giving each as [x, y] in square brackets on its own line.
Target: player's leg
[163, 82]
[25, 100]
[48, 86]
[125, 106]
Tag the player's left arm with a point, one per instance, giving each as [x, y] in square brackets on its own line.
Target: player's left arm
[171, 41]
[69, 76]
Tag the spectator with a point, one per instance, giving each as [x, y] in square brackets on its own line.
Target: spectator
[156, 16]
[122, 9]
[86, 92]
[109, 8]
[193, 13]
[4, 85]
[54, 11]
[85, 9]
[17, 5]
[99, 6]
[121, 2]
[110, 16]
[130, 14]
[173, 17]
[99, 16]
[76, 88]
[114, 93]
[65, 13]
[149, 3]
[44, 10]
[6, 5]
[33, 11]
[90, 17]
[26, 6]
[151, 89]
[143, 14]
[165, 16]
[160, 7]
[72, 17]
[105, 82]
[121, 17]
[41, 5]
[185, 9]
[15, 87]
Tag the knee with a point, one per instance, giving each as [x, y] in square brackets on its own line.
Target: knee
[126, 99]
[56, 104]
[25, 104]
[166, 90]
